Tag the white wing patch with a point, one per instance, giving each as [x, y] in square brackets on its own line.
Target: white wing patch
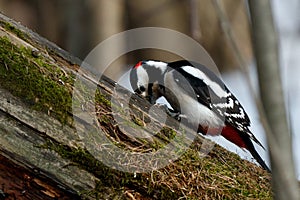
[213, 85]
[241, 114]
[225, 105]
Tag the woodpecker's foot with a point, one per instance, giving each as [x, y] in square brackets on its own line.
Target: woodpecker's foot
[172, 113]
[175, 115]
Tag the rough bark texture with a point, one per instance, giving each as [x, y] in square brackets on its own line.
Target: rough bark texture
[271, 92]
[45, 156]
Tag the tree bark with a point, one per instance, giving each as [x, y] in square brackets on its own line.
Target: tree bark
[271, 92]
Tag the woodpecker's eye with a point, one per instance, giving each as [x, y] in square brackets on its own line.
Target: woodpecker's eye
[142, 89]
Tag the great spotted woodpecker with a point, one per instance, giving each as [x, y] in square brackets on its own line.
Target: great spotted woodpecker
[196, 93]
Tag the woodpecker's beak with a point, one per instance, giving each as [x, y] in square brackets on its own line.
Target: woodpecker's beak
[138, 92]
[150, 98]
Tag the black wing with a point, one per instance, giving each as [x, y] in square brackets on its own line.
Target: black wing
[226, 107]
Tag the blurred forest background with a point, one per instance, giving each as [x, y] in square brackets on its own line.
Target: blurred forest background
[78, 26]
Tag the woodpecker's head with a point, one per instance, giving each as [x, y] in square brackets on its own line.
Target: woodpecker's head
[146, 79]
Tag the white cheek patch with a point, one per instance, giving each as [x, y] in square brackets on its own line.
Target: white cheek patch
[215, 87]
[143, 78]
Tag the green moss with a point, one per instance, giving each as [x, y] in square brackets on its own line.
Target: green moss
[104, 119]
[137, 122]
[190, 177]
[9, 27]
[41, 84]
[111, 181]
[101, 99]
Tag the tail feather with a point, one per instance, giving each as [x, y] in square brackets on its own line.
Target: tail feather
[243, 140]
[257, 157]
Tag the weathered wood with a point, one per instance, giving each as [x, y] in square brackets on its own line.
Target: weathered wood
[23, 130]
[18, 182]
[26, 133]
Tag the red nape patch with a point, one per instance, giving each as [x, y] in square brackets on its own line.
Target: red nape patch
[137, 65]
[233, 136]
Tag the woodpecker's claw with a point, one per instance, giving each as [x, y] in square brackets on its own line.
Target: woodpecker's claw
[175, 115]
[172, 113]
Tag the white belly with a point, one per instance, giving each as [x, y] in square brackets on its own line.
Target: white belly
[195, 112]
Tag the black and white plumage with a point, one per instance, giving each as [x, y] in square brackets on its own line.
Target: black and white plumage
[198, 94]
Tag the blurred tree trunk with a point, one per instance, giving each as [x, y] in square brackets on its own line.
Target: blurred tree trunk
[108, 19]
[271, 91]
